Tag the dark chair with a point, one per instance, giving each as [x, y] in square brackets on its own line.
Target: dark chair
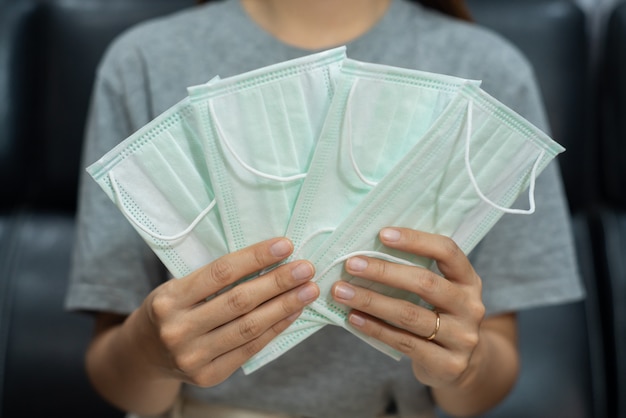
[562, 348]
[48, 53]
[609, 221]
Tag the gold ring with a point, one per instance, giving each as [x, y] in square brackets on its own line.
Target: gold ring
[437, 324]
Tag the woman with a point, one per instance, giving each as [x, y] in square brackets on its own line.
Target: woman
[159, 348]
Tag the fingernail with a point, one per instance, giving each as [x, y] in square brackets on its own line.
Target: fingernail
[302, 271]
[345, 292]
[281, 248]
[357, 264]
[356, 320]
[307, 293]
[390, 235]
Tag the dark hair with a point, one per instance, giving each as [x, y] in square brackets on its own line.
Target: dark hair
[455, 8]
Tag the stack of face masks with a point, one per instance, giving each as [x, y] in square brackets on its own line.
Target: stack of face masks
[326, 151]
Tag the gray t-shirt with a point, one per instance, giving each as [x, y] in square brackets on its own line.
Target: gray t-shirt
[524, 261]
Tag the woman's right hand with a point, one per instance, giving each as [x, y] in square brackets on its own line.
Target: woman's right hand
[198, 330]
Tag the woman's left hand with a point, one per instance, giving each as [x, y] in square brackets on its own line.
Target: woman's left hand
[444, 359]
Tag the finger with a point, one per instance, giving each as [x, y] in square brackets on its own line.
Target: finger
[210, 371]
[229, 269]
[405, 315]
[232, 335]
[431, 287]
[256, 323]
[451, 260]
[401, 340]
[433, 362]
[455, 331]
[247, 296]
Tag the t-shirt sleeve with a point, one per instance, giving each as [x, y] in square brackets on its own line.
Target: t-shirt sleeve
[113, 269]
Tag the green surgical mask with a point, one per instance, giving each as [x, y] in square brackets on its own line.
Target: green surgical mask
[327, 151]
[465, 171]
[158, 179]
[162, 180]
[259, 132]
[379, 113]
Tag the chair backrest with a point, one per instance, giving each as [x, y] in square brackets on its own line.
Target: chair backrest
[562, 373]
[610, 224]
[49, 50]
[613, 88]
[15, 21]
[58, 46]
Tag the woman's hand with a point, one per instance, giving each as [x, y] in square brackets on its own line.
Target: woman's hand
[448, 347]
[203, 341]
[199, 329]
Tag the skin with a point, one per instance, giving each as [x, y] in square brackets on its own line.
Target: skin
[139, 362]
[473, 362]
[316, 24]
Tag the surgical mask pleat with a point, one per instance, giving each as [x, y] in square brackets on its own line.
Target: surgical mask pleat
[147, 201]
[128, 180]
[391, 119]
[149, 159]
[172, 259]
[458, 191]
[499, 150]
[260, 137]
[492, 144]
[195, 181]
[183, 204]
[257, 122]
[308, 122]
[392, 116]
[511, 183]
[304, 225]
[252, 136]
[373, 107]
[398, 190]
[170, 166]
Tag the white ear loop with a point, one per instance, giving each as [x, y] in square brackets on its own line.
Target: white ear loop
[533, 174]
[222, 137]
[310, 238]
[348, 120]
[130, 217]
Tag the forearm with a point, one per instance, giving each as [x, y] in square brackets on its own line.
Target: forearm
[493, 370]
[118, 369]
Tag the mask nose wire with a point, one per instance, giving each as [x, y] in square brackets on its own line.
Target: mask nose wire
[468, 166]
[130, 217]
[348, 120]
[224, 140]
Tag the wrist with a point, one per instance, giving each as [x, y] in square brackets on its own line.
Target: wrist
[137, 338]
[491, 373]
[120, 367]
